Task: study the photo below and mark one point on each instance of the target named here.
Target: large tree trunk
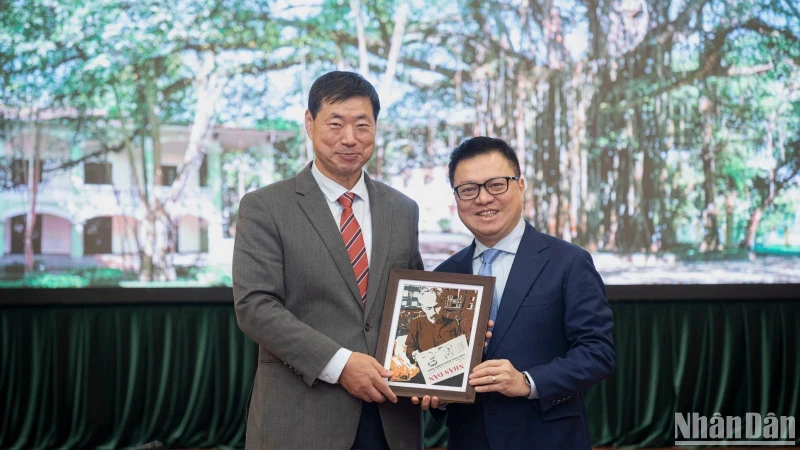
(597, 215)
(752, 227)
(709, 214)
(565, 164)
(622, 231)
(538, 182)
(155, 243)
(767, 197)
(730, 220)
(552, 154)
(33, 190)
(608, 185)
(363, 62)
(161, 229)
(400, 20)
(670, 186)
(208, 85)
(648, 179)
(578, 99)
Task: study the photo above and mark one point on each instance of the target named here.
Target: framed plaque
(433, 330)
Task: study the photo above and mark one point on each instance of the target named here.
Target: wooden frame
(433, 330)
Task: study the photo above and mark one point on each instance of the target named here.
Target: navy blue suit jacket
(554, 322)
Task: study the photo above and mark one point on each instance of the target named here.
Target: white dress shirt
(501, 267)
(361, 209)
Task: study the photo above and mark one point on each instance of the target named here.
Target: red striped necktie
(354, 242)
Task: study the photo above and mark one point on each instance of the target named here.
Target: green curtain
(729, 357)
(115, 376)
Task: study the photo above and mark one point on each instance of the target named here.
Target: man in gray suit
(310, 272)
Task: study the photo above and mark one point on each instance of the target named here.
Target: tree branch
(664, 32)
(711, 65)
(75, 162)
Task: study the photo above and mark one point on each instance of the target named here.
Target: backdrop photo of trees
(661, 135)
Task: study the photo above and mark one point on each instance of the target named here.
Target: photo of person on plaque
(434, 317)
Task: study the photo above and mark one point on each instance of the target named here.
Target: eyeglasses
(494, 186)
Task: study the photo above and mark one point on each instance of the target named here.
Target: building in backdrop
(89, 205)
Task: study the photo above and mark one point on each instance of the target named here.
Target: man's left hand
(498, 375)
(427, 402)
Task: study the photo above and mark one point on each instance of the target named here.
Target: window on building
(168, 174)
(203, 236)
(97, 236)
(188, 241)
(20, 171)
(97, 173)
(203, 175)
(18, 234)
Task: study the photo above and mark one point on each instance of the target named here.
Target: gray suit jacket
(296, 297)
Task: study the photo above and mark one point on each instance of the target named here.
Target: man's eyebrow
(359, 117)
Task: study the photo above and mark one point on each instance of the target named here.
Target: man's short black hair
(482, 145)
(334, 87)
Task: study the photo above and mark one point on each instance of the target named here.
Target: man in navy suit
(551, 336)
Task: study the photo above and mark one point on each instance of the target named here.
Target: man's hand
(498, 375)
(488, 334)
(427, 402)
(363, 376)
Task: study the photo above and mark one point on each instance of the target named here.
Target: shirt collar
(333, 190)
(508, 244)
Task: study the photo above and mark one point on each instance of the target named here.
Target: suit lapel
(381, 211)
(464, 265)
(315, 206)
(528, 263)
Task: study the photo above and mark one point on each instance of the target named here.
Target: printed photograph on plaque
(433, 330)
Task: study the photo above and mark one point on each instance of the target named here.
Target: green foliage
(278, 124)
(778, 250)
(206, 276)
(691, 254)
(14, 276)
(783, 214)
(716, 75)
(444, 224)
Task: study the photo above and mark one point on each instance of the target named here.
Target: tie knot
(489, 255)
(346, 200)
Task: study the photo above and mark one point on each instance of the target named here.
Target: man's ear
(309, 123)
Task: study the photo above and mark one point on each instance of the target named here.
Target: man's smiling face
(489, 217)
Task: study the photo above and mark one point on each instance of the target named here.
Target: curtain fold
(705, 357)
(122, 375)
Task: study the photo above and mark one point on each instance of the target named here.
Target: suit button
(554, 403)
(366, 327)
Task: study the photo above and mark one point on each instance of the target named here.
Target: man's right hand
(363, 376)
